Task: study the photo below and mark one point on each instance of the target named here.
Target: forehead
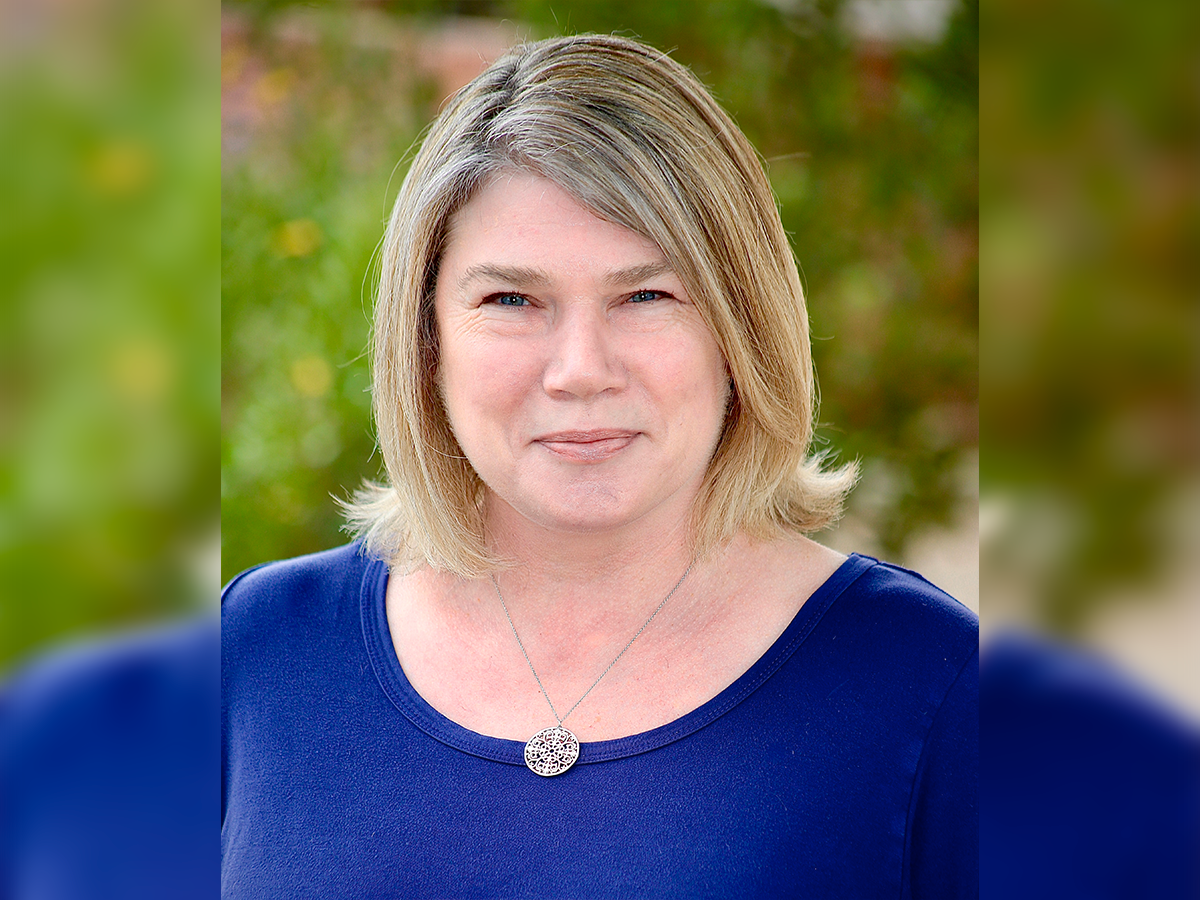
(520, 219)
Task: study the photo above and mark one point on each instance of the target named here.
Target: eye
(507, 299)
(646, 296)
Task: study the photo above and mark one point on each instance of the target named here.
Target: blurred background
(1090, 358)
(109, 448)
(865, 112)
(109, 317)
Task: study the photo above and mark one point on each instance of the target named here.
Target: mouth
(587, 446)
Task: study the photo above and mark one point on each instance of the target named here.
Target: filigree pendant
(551, 751)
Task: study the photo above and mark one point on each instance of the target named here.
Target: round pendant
(551, 751)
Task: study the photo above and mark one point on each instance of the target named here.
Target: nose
(584, 357)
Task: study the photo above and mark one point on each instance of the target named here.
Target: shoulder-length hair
(636, 138)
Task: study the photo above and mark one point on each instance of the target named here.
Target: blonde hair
(636, 138)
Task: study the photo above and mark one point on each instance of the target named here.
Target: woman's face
(579, 379)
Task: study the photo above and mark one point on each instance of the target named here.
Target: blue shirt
(108, 769)
(841, 764)
(1090, 787)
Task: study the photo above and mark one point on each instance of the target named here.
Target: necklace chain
(524, 653)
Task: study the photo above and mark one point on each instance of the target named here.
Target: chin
(584, 514)
(577, 521)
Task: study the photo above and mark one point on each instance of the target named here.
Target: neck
(600, 571)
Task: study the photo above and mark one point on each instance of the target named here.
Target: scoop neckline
(414, 707)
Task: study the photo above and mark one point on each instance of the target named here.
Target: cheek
(705, 379)
(481, 383)
(454, 390)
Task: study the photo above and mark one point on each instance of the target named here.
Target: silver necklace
(555, 749)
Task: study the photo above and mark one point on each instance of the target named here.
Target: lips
(587, 446)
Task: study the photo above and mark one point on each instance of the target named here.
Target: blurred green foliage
(1091, 230)
(109, 178)
(871, 148)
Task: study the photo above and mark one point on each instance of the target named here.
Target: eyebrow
(526, 276)
(518, 276)
(637, 274)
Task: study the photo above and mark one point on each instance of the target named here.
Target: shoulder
(285, 614)
(118, 671)
(112, 744)
(305, 587)
(142, 703)
(904, 607)
(1031, 685)
(1072, 746)
(905, 644)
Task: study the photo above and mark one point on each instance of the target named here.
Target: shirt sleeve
(942, 858)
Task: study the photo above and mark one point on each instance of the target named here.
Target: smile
(587, 446)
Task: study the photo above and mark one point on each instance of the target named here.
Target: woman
(582, 647)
